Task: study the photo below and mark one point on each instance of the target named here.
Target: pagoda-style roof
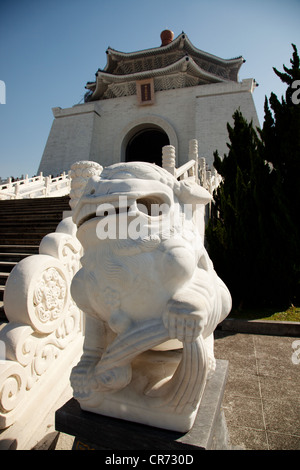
(178, 64)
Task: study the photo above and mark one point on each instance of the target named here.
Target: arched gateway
(146, 146)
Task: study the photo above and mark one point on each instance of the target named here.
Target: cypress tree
(253, 234)
(281, 145)
(234, 233)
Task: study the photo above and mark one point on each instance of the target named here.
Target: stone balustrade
(195, 167)
(37, 186)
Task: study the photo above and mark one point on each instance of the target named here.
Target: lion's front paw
(82, 379)
(183, 321)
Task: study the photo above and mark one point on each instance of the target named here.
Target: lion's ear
(189, 192)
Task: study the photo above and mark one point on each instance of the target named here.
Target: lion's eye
(144, 206)
(152, 206)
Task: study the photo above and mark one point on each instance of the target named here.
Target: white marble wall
(99, 131)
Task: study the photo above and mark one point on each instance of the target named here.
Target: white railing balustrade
(194, 168)
(37, 186)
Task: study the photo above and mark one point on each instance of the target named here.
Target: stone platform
(97, 432)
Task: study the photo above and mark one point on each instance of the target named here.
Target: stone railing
(37, 186)
(209, 179)
(194, 168)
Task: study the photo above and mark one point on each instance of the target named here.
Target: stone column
(193, 155)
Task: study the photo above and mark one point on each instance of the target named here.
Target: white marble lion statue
(146, 282)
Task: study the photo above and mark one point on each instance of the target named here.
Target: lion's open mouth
(94, 214)
(151, 205)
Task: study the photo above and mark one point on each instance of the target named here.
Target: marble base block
(99, 432)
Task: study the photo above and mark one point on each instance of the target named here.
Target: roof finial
(166, 37)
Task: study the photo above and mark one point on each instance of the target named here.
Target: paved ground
(262, 395)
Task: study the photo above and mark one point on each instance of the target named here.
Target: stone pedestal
(97, 432)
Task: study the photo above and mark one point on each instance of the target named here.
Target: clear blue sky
(49, 49)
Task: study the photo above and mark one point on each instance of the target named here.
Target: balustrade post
(203, 172)
(17, 188)
(193, 155)
(47, 184)
(169, 159)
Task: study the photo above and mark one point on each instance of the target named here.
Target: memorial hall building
(144, 100)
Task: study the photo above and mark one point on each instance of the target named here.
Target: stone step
(52, 212)
(36, 232)
(52, 207)
(27, 207)
(3, 317)
(17, 239)
(17, 249)
(37, 200)
(23, 235)
(30, 239)
(34, 203)
(13, 257)
(32, 209)
(23, 224)
(23, 220)
(7, 266)
(23, 227)
(3, 278)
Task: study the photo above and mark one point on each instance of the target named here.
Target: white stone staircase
(23, 224)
